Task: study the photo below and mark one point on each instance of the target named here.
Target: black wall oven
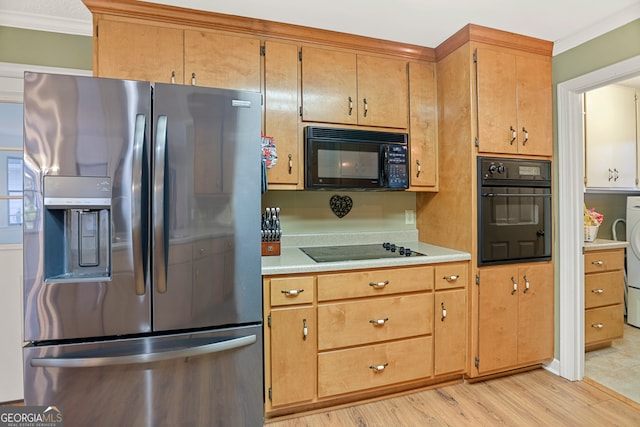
(514, 210)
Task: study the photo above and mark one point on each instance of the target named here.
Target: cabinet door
(535, 128)
(535, 313)
(496, 99)
(610, 137)
(382, 92)
(281, 111)
(329, 86)
(497, 318)
(132, 50)
(423, 126)
(221, 60)
(450, 331)
(293, 355)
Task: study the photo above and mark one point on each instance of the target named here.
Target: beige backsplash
(305, 212)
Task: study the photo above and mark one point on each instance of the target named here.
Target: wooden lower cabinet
(339, 337)
(366, 367)
(515, 314)
(603, 297)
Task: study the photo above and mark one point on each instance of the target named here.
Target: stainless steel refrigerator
(142, 283)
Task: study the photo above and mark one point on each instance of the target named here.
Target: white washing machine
(633, 260)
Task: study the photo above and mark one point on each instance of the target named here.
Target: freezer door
(205, 205)
(205, 379)
(84, 181)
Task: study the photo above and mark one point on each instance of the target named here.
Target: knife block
(270, 248)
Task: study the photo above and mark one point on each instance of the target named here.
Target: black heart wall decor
(340, 205)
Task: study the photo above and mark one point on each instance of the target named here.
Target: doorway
(570, 189)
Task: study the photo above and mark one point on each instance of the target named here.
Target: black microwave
(355, 159)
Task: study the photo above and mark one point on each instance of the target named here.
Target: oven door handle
(514, 195)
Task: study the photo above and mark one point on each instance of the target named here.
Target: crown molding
(610, 23)
(54, 24)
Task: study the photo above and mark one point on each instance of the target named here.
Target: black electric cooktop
(358, 252)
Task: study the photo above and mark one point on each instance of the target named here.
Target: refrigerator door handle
(136, 209)
(160, 258)
(90, 362)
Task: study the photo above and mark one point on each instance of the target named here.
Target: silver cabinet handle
(452, 278)
(173, 77)
(366, 106)
(515, 286)
(610, 174)
(526, 285)
(292, 292)
(526, 135)
(597, 262)
(379, 285)
(350, 105)
(514, 135)
(597, 291)
(597, 325)
(378, 368)
(305, 330)
(193, 79)
(379, 322)
(615, 174)
(290, 164)
(419, 168)
(444, 311)
(88, 362)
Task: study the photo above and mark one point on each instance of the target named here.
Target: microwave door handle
(160, 268)
(136, 205)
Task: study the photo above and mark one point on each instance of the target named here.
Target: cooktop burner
(358, 252)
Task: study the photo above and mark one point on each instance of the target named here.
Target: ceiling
(421, 22)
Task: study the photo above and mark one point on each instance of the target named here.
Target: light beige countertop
(292, 260)
(603, 244)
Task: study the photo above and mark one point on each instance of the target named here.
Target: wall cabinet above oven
(611, 138)
(514, 102)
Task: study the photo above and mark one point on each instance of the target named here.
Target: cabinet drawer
(453, 275)
(291, 290)
(603, 324)
(603, 261)
(361, 368)
(602, 289)
(374, 282)
(379, 319)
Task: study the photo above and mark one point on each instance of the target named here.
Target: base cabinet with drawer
(344, 336)
(603, 297)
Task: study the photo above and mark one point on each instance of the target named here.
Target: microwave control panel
(396, 166)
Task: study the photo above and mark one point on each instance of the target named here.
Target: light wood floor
(534, 398)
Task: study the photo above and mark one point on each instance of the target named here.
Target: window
(11, 173)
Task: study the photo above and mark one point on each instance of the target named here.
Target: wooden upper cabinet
(221, 60)
(132, 50)
(514, 102)
(281, 67)
(382, 92)
(423, 126)
(347, 88)
(329, 86)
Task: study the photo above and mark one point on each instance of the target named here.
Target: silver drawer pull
(379, 322)
(515, 286)
(600, 262)
(451, 278)
(597, 325)
(378, 368)
(292, 292)
(444, 311)
(305, 330)
(379, 285)
(597, 291)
